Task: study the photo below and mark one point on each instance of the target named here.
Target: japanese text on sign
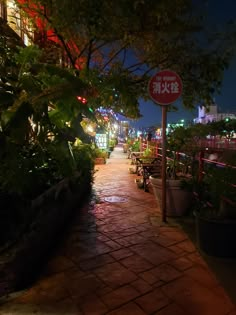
(165, 87)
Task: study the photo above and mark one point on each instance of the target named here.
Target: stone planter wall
(23, 260)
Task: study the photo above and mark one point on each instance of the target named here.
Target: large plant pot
(178, 200)
(216, 237)
(99, 161)
(125, 148)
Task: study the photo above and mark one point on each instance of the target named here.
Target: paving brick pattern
(120, 259)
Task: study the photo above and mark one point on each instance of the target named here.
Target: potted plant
(147, 153)
(100, 156)
(126, 145)
(134, 150)
(111, 144)
(135, 147)
(179, 173)
(215, 212)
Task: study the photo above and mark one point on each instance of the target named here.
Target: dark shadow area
(224, 269)
(23, 263)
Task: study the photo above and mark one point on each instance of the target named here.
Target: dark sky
(226, 101)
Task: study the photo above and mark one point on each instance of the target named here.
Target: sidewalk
(119, 259)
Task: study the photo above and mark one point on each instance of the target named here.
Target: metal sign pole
(164, 88)
(163, 169)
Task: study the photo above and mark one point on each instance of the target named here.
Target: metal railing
(213, 143)
(201, 162)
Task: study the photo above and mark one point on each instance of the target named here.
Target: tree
(37, 109)
(40, 117)
(118, 45)
(222, 128)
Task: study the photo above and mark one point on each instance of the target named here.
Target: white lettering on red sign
(165, 87)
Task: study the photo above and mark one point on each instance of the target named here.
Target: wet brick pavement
(119, 259)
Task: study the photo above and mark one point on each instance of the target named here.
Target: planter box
(216, 238)
(125, 148)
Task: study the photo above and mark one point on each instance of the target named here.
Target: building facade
(14, 18)
(210, 114)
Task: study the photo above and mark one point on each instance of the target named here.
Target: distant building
(210, 113)
(124, 128)
(14, 18)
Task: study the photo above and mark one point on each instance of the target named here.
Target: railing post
(201, 165)
(177, 156)
(140, 144)
(156, 148)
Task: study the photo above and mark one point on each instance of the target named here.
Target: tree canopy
(118, 45)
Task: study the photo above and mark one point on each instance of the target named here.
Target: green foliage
(112, 143)
(99, 153)
(224, 127)
(185, 139)
(135, 146)
(181, 140)
(38, 93)
(39, 122)
(147, 152)
(84, 155)
(30, 170)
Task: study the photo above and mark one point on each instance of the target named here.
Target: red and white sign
(165, 87)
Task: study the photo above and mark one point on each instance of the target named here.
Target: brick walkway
(118, 259)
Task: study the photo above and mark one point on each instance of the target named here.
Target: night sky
(226, 100)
